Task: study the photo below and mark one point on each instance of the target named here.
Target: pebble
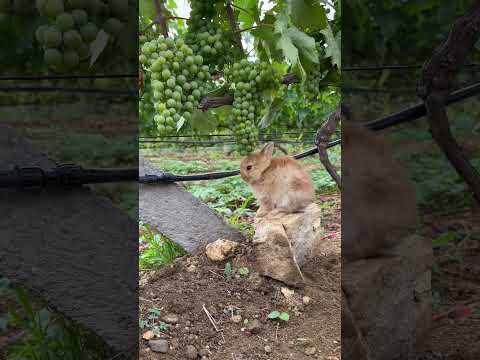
(148, 335)
(287, 292)
(310, 350)
(254, 326)
(306, 300)
(191, 352)
(170, 319)
(268, 349)
(160, 346)
(237, 318)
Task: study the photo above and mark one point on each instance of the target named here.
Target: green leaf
(142, 323)
(98, 45)
(250, 14)
(272, 113)
(42, 318)
(443, 240)
(202, 122)
(25, 303)
(228, 269)
(299, 71)
(308, 14)
(333, 46)
(243, 271)
(180, 123)
(304, 43)
(288, 48)
(273, 315)
(284, 316)
(147, 9)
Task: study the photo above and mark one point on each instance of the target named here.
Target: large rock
(72, 248)
(390, 301)
(180, 216)
(285, 243)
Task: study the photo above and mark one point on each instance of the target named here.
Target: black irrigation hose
(69, 90)
(391, 67)
(73, 175)
(67, 77)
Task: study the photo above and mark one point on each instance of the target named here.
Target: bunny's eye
(249, 167)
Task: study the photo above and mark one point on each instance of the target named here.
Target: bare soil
(182, 289)
(457, 282)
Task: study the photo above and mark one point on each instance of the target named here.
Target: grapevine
(207, 36)
(178, 81)
(247, 79)
(178, 94)
(68, 28)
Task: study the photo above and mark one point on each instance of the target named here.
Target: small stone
(160, 346)
(220, 249)
(237, 318)
(268, 349)
(148, 335)
(254, 326)
(306, 300)
(191, 268)
(203, 353)
(191, 352)
(170, 319)
(287, 292)
(310, 350)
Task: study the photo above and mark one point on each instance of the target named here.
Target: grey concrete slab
(72, 248)
(179, 215)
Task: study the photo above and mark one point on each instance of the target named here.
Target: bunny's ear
(268, 150)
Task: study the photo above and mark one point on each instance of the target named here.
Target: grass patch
(158, 251)
(46, 335)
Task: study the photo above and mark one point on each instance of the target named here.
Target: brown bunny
(280, 184)
(378, 198)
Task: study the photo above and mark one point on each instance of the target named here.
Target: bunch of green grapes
(10, 8)
(73, 25)
(178, 81)
(248, 80)
(312, 83)
(207, 37)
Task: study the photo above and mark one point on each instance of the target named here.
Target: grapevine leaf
(332, 78)
(147, 9)
(299, 71)
(288, 48)
(304, 43)
(269, 39)
(273, 315)
(284, 316)
(202, 122)
(272, 113)
(98, 45)
(250, 14)
(281, 23)
(223, 110)
(308, 14)
(333, 45)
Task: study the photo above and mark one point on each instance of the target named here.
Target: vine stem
(254, 27)
(234, 25)
(217, 101)
(245, 10)
(161, 19)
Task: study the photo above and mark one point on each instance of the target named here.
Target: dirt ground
(456, 334)
(181, 290)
